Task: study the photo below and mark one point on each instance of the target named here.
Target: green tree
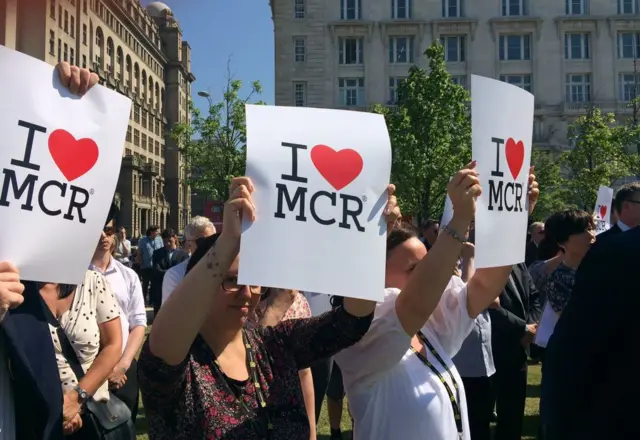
(554, 195)
(430, 131)
(599, 156)
(213, 144)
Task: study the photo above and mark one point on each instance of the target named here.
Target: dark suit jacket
(36, 381)
(162, 263)
(589, 387)
(508, 322)
(612, 231)
(531, 253)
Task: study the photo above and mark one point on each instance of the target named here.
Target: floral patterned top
(558, 287)
(188, 402)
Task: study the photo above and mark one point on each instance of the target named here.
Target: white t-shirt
(172, 278)
(392, 394)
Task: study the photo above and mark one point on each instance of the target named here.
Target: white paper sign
(447, 213)
(502, 129)
(602, 210)
(60, 157)
(547, 325)
(321, 178)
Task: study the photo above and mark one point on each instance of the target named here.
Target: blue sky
(219, 29)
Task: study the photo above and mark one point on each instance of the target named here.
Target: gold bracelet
(453, 234)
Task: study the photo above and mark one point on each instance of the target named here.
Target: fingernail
(475, 162)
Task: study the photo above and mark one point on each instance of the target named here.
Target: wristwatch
(83, 396)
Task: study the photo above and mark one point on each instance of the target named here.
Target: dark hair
(168, 233)
(559, 227)
(64, 290)
(152, 229)
(625, 193)
(430, 223)
(400, 233)
(204, 244)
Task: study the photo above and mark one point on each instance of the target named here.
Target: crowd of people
(442, 357)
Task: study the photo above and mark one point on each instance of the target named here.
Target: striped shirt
(7, 416)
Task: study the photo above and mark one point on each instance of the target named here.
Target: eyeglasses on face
(230, 284)
(108, 230)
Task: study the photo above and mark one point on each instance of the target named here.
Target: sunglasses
(108, 230)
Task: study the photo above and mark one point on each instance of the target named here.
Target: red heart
(514, 152)
(339, 168)
(603, 211)
(74, 158)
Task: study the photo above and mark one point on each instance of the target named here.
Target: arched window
(110, 56)
(99, 48)
(120, 63)
(129, 71)
(143, 92)
(157, 95)
(150, 91)
(136, 78)
(161, 100)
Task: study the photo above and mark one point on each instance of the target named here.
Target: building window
(460, 80)
(577, 7)
(66, 52)
(144, 118)
(84, 6)
(129, 135)
(522, 81)
(66, 21)
(144, 142)
(576, 46)
(351, 50)
(455, 48)
(351, 92)
(157, 148)
(136, 113)
(52, 9)
(515, 8)
(515, 47)
(136, 138)
(300, 49)
(401, 50)
(299, 10)
(84, 34)
(400, 9)
(72, 56)
(59, 50)
(73, 26)
(350, 9)
(452, 8)
(628, 45)
(60, 24)
(629, 83)
(127, 151)
(627, 6)
(578, 87)
(394, 94)
(84, 61)
(52, 43)
(300, 94)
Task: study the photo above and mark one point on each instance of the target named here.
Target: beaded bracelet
(453, 234)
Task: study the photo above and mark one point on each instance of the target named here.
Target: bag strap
(67, 349)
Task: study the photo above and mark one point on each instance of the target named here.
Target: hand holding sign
(533, 192)
(463, 190)
(10, 288)
(392, 211)
(240, 205)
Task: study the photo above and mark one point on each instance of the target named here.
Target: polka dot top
(94, 303)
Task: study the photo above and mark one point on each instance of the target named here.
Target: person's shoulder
(126, 271)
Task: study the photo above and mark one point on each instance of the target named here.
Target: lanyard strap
(457, 414)
(253, 377)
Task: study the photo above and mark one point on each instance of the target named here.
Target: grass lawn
(530, 417)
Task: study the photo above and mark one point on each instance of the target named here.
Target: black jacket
(589, 383)
(518, 308)
(36, 381)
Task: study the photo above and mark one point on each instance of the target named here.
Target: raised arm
(185, 311)
(425, 287)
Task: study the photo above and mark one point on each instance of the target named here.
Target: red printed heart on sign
(74, 157)
(514, 151)
(603, 211)
(339, 168)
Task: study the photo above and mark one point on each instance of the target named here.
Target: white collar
(622, 226)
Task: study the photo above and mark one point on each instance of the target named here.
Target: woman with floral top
(203, 375)
(572, 232)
